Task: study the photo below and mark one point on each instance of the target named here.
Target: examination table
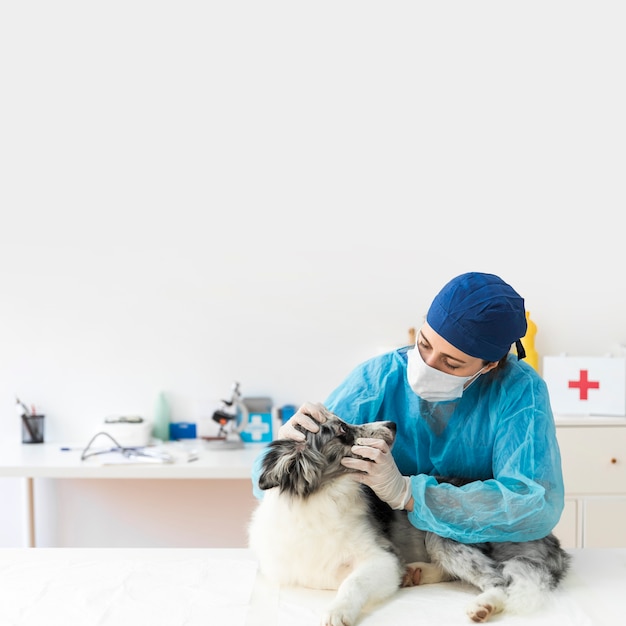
(194, 587)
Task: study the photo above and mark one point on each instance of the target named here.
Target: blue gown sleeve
(361, 396)
(524, 499)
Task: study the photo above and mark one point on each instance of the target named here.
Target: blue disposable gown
(500, 435)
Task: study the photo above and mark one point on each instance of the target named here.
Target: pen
(23, 410)
(23, 413)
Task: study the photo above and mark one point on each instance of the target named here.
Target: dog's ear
(292, 466)
(270, 466)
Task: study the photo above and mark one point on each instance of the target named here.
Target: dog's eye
(341, 431)
(345, 436)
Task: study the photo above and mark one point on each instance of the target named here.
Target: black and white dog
(316, 527)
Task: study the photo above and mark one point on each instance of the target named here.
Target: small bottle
(528, 341)
(161, 424)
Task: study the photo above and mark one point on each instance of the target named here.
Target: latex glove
(379, 471)
(309, 415)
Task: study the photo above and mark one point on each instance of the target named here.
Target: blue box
(259, 428)
(182, 430)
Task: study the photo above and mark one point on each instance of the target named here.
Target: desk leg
(30, 512)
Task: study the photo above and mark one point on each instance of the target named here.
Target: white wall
(271, 192)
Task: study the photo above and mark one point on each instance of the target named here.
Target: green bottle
(161, 424)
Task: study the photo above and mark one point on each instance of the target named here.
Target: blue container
(286, 412)
(182, 430)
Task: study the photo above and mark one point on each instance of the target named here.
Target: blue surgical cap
(480, 315)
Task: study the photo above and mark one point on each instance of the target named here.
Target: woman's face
(443, 356)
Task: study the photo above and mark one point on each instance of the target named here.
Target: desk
(176, 587)
(47, 460)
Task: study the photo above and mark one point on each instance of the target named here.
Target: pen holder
(32, 428)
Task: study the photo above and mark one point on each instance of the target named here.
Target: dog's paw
(337, 618)
(419, 573)
(412, 576)
(485, 605)
(480, 612)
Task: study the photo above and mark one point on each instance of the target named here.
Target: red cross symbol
(583, 384)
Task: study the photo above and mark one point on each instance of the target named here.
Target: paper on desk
(126, 592)
(116, 458)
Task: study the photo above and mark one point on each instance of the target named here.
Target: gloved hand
(308, 416)
(380, 472)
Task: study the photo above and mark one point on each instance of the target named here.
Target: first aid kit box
(258, 429)
(586, 385)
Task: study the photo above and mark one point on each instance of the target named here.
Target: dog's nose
(391, 426)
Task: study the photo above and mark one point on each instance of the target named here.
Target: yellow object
(528, 341)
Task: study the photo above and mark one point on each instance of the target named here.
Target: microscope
(232, 415)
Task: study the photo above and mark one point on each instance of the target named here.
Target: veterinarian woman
(465, 407)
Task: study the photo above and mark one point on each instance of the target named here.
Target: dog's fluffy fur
(317, 527)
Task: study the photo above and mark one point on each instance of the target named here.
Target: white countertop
(589, 420)
(47, 460)
(193, 587)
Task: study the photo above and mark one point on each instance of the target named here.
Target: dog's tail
(292, 466)
(530, 581)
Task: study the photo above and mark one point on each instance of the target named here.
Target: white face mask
(431, 384)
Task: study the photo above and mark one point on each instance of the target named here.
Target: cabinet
(593, 452)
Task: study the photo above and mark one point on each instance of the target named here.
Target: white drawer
(567, 530)
(594, 459)
(605, 521)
